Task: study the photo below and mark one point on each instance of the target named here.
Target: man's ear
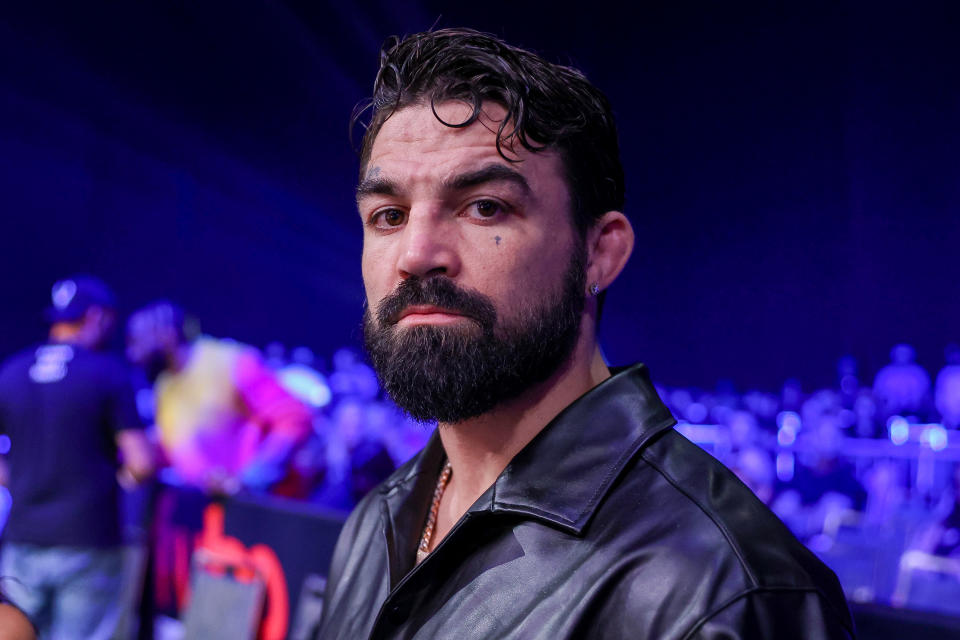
(609, 245)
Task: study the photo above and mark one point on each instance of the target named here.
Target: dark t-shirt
(62, 405)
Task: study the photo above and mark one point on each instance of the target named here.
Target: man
(69, 410)
(223, 419)
(554, 500)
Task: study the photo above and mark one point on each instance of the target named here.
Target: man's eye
(484, 209)
(389, 218)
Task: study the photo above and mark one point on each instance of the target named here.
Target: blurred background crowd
(791, 172)
(865, 472)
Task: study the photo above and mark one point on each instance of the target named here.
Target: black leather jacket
(609, 524)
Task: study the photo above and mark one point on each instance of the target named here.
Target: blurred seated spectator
(865, 416)
(224, 421)
(947, 393)
(847, 381)
(942, 537)
(754, 467)
(902, 387)
(744, 431)
(306, 470)
(824, 483)
(370, 464)
(791, 395)
(402, 435)
(764, 407)
(886, 493)
(355, 455)
(353, 377)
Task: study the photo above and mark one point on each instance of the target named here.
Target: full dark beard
(453, 373)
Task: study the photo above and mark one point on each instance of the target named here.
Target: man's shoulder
(685, 522)
(705, 514)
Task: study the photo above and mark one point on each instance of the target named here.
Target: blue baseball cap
(70, 298)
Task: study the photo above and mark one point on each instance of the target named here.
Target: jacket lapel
(405, 505)
(566, 470)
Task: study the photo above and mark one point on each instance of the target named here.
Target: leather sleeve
(777, 615)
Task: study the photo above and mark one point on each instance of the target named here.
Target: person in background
(947, 389)
(942, 537)
(223, 420)
(903, 386)
(352, 377)
(69, 410)
(743, 430)
(754, 467)
(847, 382)
(886, 494)
(865, 415)
(356, 458)
(825, 483)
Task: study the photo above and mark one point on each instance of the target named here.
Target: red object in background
(175, 545)
(276, 618)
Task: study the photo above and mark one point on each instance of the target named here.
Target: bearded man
(554, 500)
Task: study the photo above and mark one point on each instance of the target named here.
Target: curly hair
(547, 106)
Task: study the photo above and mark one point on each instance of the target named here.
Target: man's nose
(429, 246)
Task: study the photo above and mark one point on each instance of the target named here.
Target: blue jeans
(68, 592)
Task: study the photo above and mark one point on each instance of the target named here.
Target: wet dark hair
(548, 106)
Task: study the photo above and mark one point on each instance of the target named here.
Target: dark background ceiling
(793, 169)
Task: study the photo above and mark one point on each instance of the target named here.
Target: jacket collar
(567, 469)
(559, 477)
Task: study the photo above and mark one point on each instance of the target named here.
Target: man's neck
(480, 449)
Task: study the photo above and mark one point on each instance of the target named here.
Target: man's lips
(428, 314)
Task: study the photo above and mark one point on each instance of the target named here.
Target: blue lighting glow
(788, 424)
(785, 466)
(935, 436)
(899, 429)
(306, 384)
(786, 436)
(788, 419)
(4, 445)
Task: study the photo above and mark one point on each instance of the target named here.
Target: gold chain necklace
(427, 536)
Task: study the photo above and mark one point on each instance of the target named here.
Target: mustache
(436, 291)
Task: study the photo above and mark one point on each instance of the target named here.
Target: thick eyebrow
(489, 173)
(375, 185)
